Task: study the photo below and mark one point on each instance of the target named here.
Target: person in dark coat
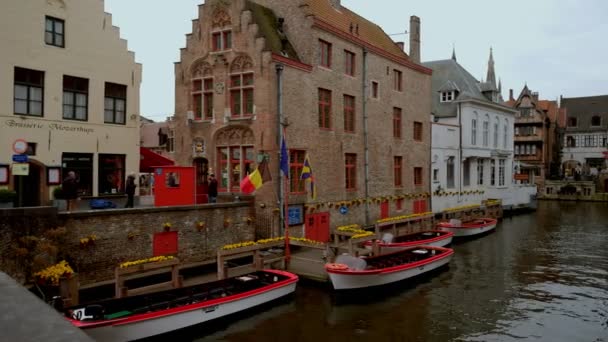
(69, 187)
(212, 189)
(130, 190)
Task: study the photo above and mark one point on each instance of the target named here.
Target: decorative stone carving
(220, 18)
(201, 69)
(58, 3)
(241, 63)
(234, 136)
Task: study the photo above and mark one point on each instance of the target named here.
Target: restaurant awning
(149, 159)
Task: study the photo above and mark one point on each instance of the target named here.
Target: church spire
(491, 77)
(499, 85)
(454, 52)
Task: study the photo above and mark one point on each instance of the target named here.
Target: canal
(541, 276)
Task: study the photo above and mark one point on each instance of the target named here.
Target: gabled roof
(449, 86)
(344, 18)
(586, 106)
(276, 40)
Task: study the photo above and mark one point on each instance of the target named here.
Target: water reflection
(541, 276)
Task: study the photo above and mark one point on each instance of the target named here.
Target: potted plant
(58, 199)
(7, 198)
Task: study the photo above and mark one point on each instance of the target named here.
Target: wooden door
(384, 210)
(317, 227)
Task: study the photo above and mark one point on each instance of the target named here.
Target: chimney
(511, 95)
(335, 4)
(401, 45)
(415, 39)
(535, 96)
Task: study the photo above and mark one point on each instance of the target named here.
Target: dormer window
(596, 121)
(447, 96)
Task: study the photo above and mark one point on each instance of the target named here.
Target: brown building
(538, 137)
(352, 100)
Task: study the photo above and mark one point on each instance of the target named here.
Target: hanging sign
(20, 169)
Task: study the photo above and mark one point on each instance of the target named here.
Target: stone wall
(127, 234)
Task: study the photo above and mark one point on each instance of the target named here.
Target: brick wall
(126, 235)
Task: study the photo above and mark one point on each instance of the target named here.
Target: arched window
(596, 120)
(221, 32)
(474, 129)
(202, 90)
(486, 130)
(241, 87)
(506, 135)
(496, 125)
(235, 157)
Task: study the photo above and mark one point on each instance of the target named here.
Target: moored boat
(355, 273)
(470, 228)
(142, 316)
(437, 238)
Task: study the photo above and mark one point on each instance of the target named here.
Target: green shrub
(7, 196)
(58, 193)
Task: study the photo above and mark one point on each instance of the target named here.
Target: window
(221, 40)
(450, 173)
(486, 133)
(349, 113)
(474, 132)
(447, 96)
(501, 172)
(397, 122)
(397, 171)
(75, 98)
(296, 163)
(202, 98)
(31, 148)
(29, 92)
(241, 95)
(54, 32)
(596, 120)
(171, 141)
(82, 165)
(516, 130)
(418, 176)
(399, 204)
(324, 108)
(115, 103)
(234, 163)
(570, 141)
(397, 80)
(492, 172)
(505, 136)
(496, 135)
(374, 89)
(466, 173)
(418, 131)
(479, 172)
(572, 122)
(172, 180)
(350, 166)
(435, 175)
(111, 173)
(533, 152)
(325, 56)
(349, 63)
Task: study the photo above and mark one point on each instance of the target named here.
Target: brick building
(352, 100)
(538, 128)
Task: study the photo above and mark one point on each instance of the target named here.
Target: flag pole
(283, 203)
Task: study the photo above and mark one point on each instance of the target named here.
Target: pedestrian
(130, 190)
(69, 188)
(212, 189)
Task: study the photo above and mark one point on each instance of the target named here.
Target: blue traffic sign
(20, 158)
(343, 210)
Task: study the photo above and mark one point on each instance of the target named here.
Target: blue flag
(284, 158)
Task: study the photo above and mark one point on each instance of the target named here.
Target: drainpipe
(460, 164)
(365, 135)
(279, 70)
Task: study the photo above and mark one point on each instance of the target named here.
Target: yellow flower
(52, 274)
(145, 261)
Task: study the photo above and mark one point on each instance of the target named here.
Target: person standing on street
(130, 190)
(212, 189)
(69, 188)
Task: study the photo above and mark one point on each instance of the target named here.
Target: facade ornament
(234, 136)
(241, 63)
(220, 18)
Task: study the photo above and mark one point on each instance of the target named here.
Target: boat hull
(365, 279)
(179, 318)
(464, 230)
(438, 241)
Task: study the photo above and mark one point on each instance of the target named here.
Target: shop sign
(30, 124)
(20, 169)
(521, 176)
(20, 158)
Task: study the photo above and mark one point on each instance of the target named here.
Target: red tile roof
(344, 18)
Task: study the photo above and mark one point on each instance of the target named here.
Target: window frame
(600, 121)
(397, 122)
(418, 128)
(242, 91)
(397, 80)
(114, 102)
(501, 172)
(446, 96)
(375, 90)
(74, 92)
(221, 40)
(28, 74)
(296, 164)
(486, 133)
(349, 113)
(53, 32)
(480, 171)
(350, 171)
(349, 63)
(418, 178)
(571, 120)
(474, 131)
(324, 109)
(325, 53)
(398, 171)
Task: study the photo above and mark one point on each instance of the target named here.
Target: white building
(69, 98)
(472, 140)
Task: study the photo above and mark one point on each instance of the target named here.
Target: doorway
(317, 227)
(201, 166)
(28, 187)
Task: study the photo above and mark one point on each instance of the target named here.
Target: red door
(201, 165)
(419, 206)
(317, 227)
(384, 210)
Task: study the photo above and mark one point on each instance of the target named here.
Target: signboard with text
(295, 214)
(521, 176)
(20, 169)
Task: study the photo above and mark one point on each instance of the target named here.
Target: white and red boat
(470, 228)
(437, 238)
(356, 273)
(142, 316)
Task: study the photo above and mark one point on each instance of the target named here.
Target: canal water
(541, 276)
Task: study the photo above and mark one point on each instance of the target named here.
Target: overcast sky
(559, 47)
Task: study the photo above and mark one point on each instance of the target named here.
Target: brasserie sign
(51, 126)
